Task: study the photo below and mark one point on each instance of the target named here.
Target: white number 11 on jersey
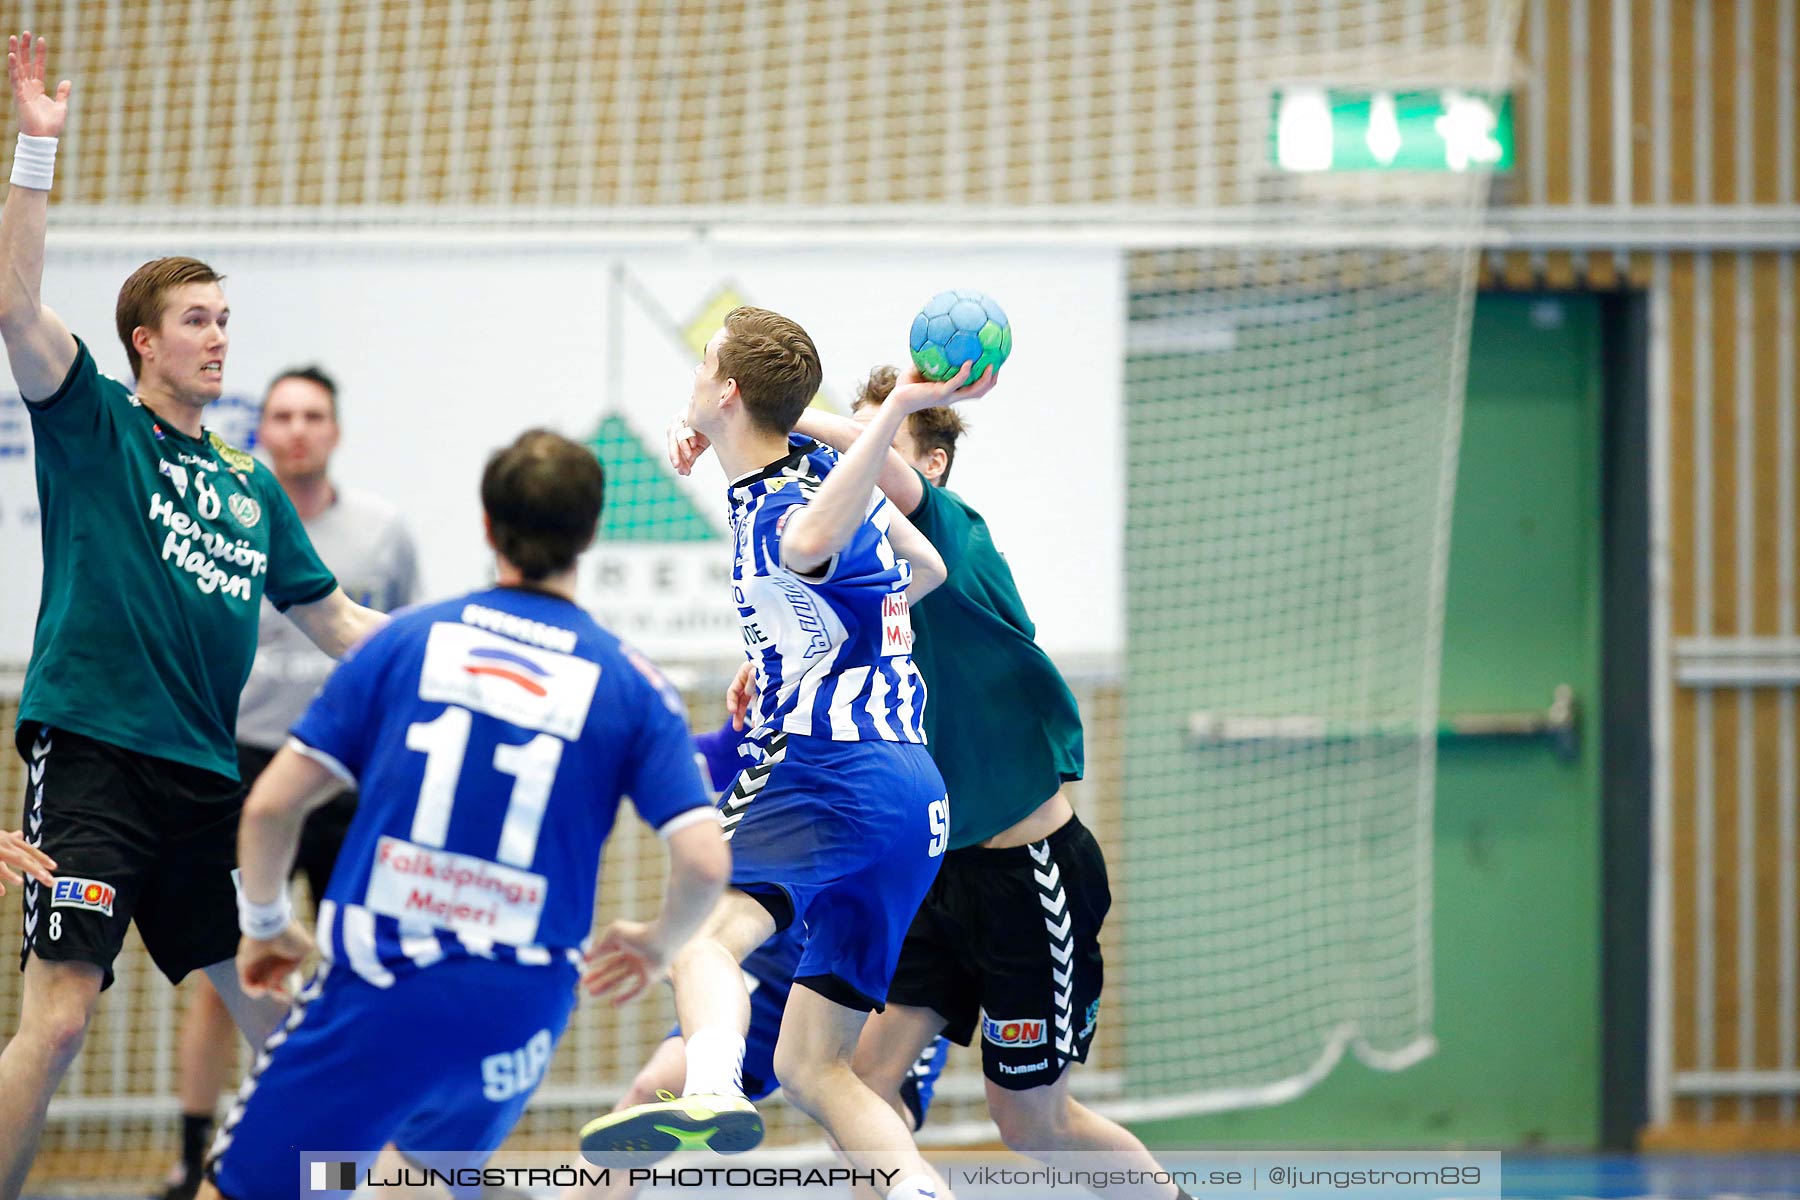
(533, 765)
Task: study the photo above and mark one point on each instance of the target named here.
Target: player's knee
(699, 950)
(880, 1074)
(681, 967)
(805, 1081)
(1036, 1119)
(57, 1012)
(59, 1032)
(794, 1071)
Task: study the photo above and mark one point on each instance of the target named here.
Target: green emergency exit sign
(1359, 129)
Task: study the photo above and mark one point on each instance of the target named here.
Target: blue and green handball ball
(956, 328)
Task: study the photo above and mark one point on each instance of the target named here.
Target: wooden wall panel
(1560, 84)
(1700, 110)
(1730, 531)
(1642, 51)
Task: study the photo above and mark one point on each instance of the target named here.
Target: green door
(1516, 916)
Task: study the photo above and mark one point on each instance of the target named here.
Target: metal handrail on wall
(1560, 724)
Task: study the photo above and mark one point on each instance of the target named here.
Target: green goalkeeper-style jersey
(1002, 725)
(158, 549)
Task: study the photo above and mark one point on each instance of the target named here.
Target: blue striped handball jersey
(491, 737)
(832, 650)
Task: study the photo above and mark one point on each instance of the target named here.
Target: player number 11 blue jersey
(491, 737)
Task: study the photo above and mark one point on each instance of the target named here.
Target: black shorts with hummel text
(1008, 941)
(134, 837)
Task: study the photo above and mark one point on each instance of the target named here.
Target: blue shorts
(844, 837)
(440, 1064)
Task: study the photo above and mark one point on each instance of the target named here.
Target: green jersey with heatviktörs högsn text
(158, 549)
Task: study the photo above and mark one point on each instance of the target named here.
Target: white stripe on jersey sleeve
(323, 759)
(359, 946)
(680, 821)
(532, 956)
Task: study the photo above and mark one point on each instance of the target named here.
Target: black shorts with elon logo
(1009, 941)
(134, 837)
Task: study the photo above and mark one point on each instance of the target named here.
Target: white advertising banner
(444, 354)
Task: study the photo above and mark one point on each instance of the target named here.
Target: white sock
(915, 1187)
(715, 1063)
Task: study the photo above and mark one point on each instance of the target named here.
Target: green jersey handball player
(160, 542)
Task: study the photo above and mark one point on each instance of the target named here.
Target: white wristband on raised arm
(34, 162)
(264, 921)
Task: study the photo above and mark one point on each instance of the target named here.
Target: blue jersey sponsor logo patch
(504, 664)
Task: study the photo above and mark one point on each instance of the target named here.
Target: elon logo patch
(90, 894)
(1013, 1033)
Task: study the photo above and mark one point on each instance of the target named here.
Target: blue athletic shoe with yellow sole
(647, 1133)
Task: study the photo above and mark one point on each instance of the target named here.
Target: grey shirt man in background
(363, 541)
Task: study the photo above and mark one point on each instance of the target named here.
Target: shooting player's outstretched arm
(825, 525)
(899, 482)
(38, 345)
